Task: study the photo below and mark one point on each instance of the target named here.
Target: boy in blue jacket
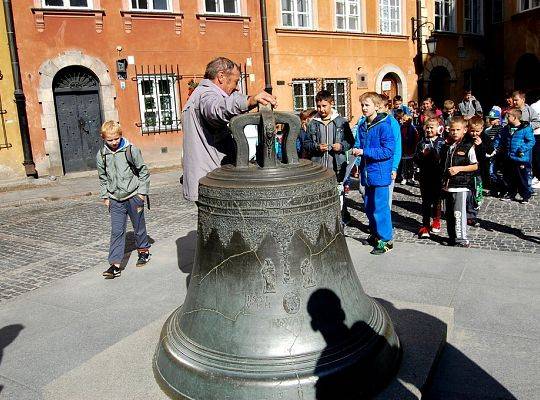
(375, 144)
(518, 141)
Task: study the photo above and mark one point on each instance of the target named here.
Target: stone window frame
(47, 72)
(175, 14)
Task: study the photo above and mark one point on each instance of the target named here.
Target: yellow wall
(325, 53)
(10, 158)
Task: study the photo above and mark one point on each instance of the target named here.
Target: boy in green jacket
(124, 184)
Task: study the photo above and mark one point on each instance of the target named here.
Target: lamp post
(431, 43)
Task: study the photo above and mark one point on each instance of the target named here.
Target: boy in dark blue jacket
(518, 141)
(375, 144)
(428, 158)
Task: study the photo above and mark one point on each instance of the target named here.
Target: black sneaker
(112, 272)
(144, 257)
(382, 247)
(372, 240)
(525, 201)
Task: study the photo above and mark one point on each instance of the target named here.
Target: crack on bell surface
(241, 312)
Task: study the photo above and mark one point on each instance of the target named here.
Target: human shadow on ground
(7, 335)
(347, 367)
(185, 253)
(454, 375)
(494, 226)
(131, 246)
(403, 190)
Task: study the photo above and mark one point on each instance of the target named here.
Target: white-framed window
(390, 16)
(528, 4)
(222, 6)
(304, 92)
(340, 89)
(158, 102)
(348, 15)
(472, 16)
(68, 3)
(296, 13)
(445, 13)
(151, 5)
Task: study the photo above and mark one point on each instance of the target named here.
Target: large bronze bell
(274, 309)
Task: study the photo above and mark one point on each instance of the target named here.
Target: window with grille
(158, 102)
(304, 91)
(68, 3)
(296, 13)
(222, 6)
(444, 15)
(390, 16)
(348, 15)
(529, 4)
(151, 5)
(340, 89)
(473, 16)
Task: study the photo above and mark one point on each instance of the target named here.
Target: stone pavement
(59, 312)
(40, 226)
(503, 226)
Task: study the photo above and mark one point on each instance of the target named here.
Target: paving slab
(422, 330)
(483, 365)
(11, 390)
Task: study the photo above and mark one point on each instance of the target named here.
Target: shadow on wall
(7, 335)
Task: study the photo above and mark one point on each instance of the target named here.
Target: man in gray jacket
(469, 106)
(208, 143)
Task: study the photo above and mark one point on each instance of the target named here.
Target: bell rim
(182, 347)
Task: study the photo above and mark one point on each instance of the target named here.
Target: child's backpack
(129, 159)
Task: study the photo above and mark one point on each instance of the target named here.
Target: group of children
(451, 156)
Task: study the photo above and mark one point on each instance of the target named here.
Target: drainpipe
(20, 99)
(419, 50)
(266, 53)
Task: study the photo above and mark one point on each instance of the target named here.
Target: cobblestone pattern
(505, 226)
(46, 241)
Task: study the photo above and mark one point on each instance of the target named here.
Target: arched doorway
(78, 113)
(439, 85)
(527, 75)
(390, 85)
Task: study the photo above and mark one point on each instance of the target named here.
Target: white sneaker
(535, 184)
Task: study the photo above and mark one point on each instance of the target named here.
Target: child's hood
(124, 143)
(333, 116)
(380, 118)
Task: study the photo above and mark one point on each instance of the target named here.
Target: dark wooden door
(78, 113)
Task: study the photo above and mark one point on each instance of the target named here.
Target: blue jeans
(119, 210)
(378, 211)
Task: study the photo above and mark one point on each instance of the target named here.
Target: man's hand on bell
(263, 98)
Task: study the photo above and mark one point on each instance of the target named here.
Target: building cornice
(41, 13)
(357, 35)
